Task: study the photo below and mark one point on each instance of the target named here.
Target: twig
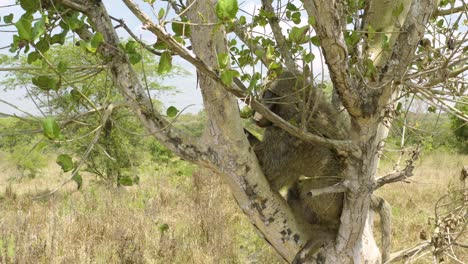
(399, 175)
(105, 116)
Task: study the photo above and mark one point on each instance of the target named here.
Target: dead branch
(409, 253)
(399, 175)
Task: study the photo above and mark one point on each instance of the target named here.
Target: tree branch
(340, 187)
(160, 32)
(329, 30)
(280, 39)
(408, 253)
(446, 12)
(131, 88)
(247, 37)
(399, 175)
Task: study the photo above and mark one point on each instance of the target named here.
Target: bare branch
(446, 12)
(408, 253)
(340, 187)
(75, 5)
(399, 175)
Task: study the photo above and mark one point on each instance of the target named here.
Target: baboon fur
(297, 167)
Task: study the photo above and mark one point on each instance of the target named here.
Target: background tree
(85, 88)
(375, 53)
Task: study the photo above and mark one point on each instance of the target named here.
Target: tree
(375, 52)
(460, 127)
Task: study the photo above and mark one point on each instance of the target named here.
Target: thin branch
(446, 12)
(280, 39)
(9, 69)
(340, 187)
(105, 116)
(247, 38)
(399, 175)
(137, 39)
(239, 89)
(75, 5)
(408, 253)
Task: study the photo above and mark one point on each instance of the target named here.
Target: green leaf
(291, 7)
(24, 28)
(65, 162)
(42, 46)
(172, 111)
(59, 38)
(33, 56)
(79, 180)
(274, 66)
(432, 109)
(134, 58)
(131, 46)
(298, 34)
(312, 20)
(226, 9)
(125, 181)
(242, 20)
(165, 63)
(440, 23)
(8, 19)
(161, 13)
(94, 43)
(296, 18)
(309, 57)
(228, 75)
(50, 128)
(315, 40)
(30, 6)
(39, 28)
(163, 227)
(397, 10)
(46, 83)
(223, 60)
(150, 1)
(62, 66)
(160, 45)
(181, 29)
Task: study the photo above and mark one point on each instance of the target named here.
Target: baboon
(297, 167)
(294, 167)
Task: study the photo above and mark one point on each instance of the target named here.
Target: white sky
(186, 85)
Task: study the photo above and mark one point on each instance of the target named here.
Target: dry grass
(173, 218)
(167, 219)
(436, 174)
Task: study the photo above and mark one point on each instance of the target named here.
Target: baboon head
(283, 97)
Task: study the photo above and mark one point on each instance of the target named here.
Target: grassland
(177, 214)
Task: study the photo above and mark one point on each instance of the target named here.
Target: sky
(188, 93)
